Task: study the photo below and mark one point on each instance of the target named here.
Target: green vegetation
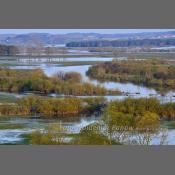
(11, 126)
(132, 117)
(152, 73)
(136, 107)
(132, 121)
(52, 107)
(52, 135)
(129, 121)
(92, 135)
(56, 134)
(35, 81)
(55, 107)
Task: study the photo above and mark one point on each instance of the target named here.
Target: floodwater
(72, 125)
(24, 126)
(132, 90)
(16, 135)
(72, 59)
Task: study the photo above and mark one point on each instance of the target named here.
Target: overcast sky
(63, 31)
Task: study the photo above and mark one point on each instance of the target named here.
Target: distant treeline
(6, 50)
(123, 43)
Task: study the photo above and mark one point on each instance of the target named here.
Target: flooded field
(13, 130)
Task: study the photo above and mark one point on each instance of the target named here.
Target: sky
(64, 31)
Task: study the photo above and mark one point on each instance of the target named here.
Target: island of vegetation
(58, 107)
(48, 107)
(132, 121)
(36, 81)
(159, 74)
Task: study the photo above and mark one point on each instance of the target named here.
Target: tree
(92, 135)
(146, 127)
(74, 77)
(117, 123)
(54, 134)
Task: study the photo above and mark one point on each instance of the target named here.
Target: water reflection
(132, 90)
(72, 125)
(61, 59)
(15, 136)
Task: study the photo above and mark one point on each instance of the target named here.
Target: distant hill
(55, 39)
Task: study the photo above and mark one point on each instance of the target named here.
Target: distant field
(163, 55)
